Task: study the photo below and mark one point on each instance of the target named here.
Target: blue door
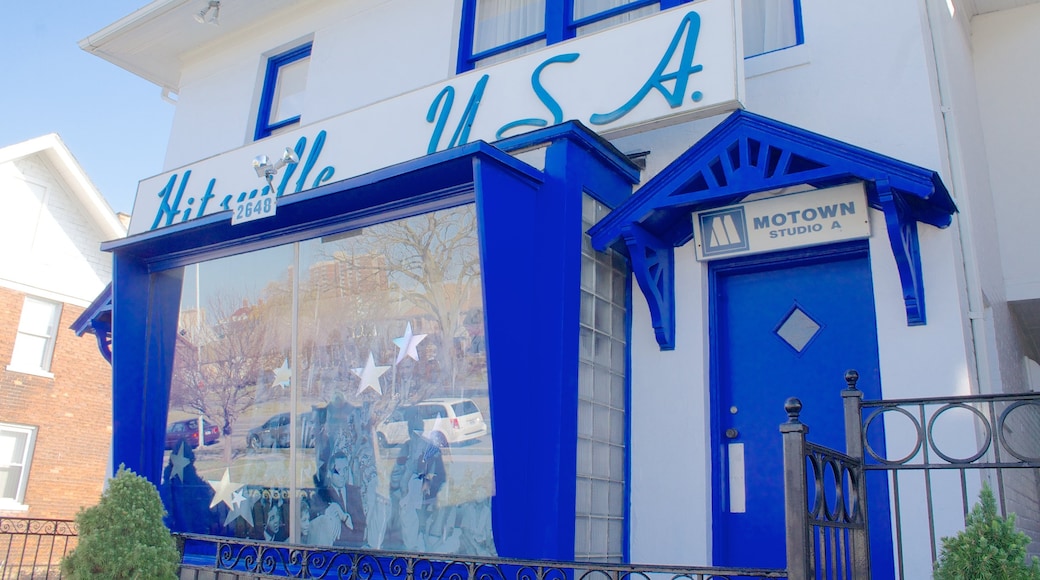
(784, 325)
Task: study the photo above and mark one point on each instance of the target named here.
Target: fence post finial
(851, 378)
(793, 406)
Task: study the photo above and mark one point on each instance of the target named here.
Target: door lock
(731, 433)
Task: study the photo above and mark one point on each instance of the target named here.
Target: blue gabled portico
(747, 154)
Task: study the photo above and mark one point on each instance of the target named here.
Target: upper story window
(497, 30)
(771, 25)
(37, 331)
(285, 84)
(16, 446)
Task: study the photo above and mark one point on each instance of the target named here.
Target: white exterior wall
(1006, 45)
(867, 75)
(359, 60)
(51, 246)
(883, 100)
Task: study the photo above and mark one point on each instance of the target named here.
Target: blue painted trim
(372, 194)
(576, 23)
(747, 153)
(463, 60)
(102, 303)
(750, 264)
(799, 26)
(585, 138)
(902, 236)
(560, 25)
(531, 321)
(103, 334)
(653, 263)
(264, 125)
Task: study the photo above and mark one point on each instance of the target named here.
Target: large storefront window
(338, 387)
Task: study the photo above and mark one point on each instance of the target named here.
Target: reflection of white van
(445, 422)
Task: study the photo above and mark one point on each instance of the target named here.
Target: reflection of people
(414, 484)
(269, 523)
(339, 517)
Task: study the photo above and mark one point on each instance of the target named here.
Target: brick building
(55, 401)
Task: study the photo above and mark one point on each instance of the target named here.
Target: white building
(52, 384)
(632, 417)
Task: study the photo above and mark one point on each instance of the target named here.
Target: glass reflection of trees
(385, 318)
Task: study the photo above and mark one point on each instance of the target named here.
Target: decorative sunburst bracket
(747, 154)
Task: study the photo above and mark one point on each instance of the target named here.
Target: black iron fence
(824, 496)
(938, 453)
(33, 548)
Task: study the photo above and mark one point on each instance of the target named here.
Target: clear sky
(116, 124)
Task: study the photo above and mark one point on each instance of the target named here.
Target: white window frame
(27, 332)
(17, 503)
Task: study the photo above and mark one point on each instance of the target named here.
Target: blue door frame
(781, 325)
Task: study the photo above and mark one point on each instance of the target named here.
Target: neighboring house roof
(96, 209)
(79, 185)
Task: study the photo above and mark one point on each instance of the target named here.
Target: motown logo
(723, 231)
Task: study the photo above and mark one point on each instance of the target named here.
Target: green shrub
(123, 536)
(988, 548)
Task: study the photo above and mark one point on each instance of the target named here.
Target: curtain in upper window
(498, 30)
(499, 22)
(769, 25)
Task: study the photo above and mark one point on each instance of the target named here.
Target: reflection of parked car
(188, 431)
(275, 432)
(445, 422)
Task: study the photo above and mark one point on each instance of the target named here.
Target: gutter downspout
(954, 158)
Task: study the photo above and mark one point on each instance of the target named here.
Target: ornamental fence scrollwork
(247, 559)
(33, 547)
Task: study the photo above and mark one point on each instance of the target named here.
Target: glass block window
(602, 425)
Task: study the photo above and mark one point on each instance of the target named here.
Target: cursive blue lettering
(165, 208)
(312, 158)
(441, 113)
(543, 95)
(690, 28)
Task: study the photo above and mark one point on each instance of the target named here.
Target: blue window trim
(560, 25)
(264, 127)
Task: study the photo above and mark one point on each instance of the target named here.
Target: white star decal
(224, 489)
(178, 462)
(241, 507)
(370, 376)
(407, 344)
(282, 375)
